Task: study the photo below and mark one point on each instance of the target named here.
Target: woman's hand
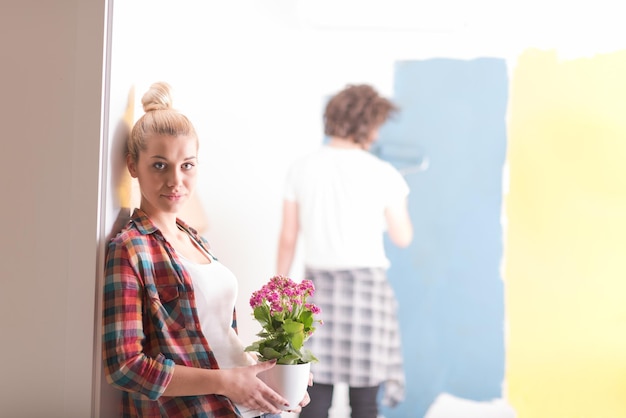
(242, 386)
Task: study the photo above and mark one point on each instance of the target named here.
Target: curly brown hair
(355, 112)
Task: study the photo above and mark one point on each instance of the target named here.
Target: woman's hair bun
(158, 97)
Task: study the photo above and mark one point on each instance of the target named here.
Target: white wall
(50, 84)
(252, 76)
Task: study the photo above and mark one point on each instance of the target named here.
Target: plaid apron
(359, 342)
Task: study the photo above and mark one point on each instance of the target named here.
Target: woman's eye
(188, 166)
(159, 166)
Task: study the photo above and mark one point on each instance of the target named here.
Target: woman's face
(166, 171)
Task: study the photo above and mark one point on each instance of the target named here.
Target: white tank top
(215, 288)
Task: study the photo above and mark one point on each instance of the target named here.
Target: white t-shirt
(215, 288)
(342, 195)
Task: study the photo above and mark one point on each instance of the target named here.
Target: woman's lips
(173, 197)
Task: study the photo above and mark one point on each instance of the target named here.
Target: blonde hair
(160, 119)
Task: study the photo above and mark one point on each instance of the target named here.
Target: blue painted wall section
(448, 281)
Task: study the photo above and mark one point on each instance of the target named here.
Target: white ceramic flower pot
(289, 380)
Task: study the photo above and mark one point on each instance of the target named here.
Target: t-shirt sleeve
(396, 188)
(289, 189)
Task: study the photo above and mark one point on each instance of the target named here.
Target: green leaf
(297, 340)
(308, 357)
(288, 359)
(270, 353)
(253, 347)
(262, 314)
(292, 327)
(279, 317)
(307, 319)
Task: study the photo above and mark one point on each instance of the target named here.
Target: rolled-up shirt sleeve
(127, 367)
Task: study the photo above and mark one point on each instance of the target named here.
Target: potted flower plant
(287, 320)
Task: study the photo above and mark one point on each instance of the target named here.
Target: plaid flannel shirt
(150, 324)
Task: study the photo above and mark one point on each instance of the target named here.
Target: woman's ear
(132, 166)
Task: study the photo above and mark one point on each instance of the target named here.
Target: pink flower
(288, 320)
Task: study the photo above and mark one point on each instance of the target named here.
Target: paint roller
(407, 159)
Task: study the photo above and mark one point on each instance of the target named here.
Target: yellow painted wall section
(565, 246)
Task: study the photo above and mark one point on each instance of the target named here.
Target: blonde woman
(170, 340)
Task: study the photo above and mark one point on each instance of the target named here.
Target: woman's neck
(165, 222)
(344, 143)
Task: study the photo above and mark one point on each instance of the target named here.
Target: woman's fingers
(247, 389)
(304, 402)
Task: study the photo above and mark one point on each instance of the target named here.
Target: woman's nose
(175, 178)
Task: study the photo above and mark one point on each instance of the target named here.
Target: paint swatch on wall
(566, 245)
(448, 281)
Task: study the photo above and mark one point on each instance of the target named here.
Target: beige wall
(50, 88)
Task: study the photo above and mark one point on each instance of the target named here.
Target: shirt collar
(145, 226)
